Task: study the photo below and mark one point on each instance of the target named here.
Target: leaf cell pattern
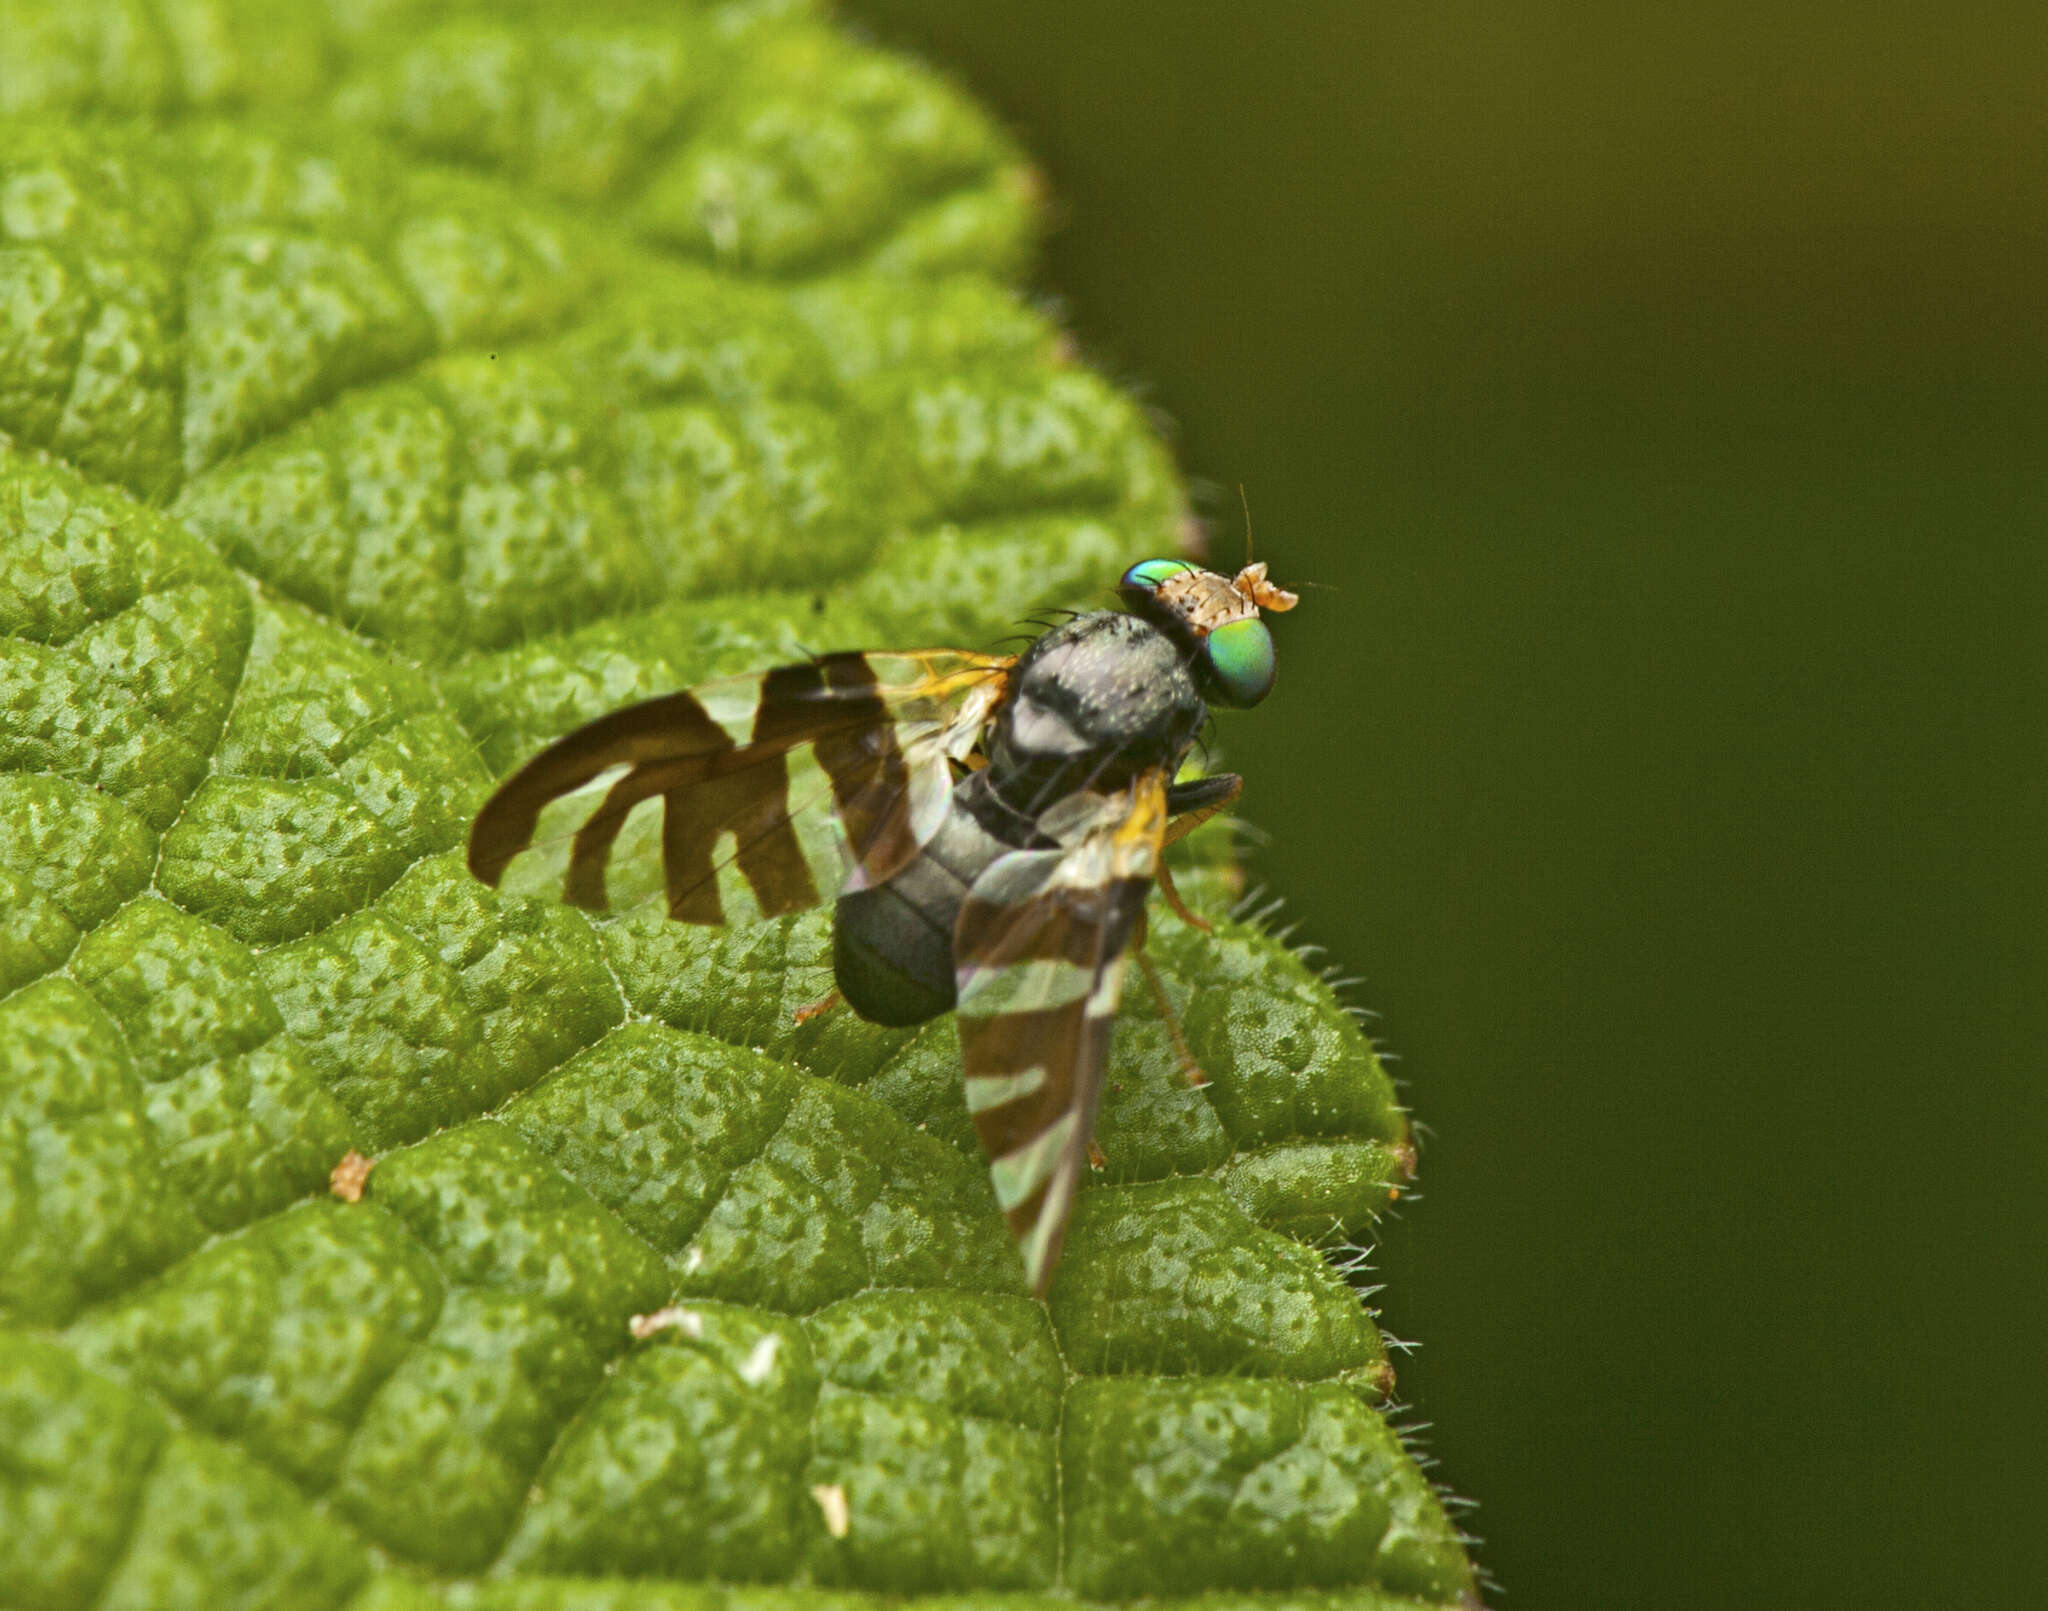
(384, 389)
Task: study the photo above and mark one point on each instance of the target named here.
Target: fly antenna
(1251, 581)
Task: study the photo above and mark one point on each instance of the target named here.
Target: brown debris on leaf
(350, 1176)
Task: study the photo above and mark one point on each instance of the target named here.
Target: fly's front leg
(1179, 906)
(1188, 806)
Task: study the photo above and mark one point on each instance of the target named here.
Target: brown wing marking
(871, 779)
(1040, 947)
(718, 758)
(752, 801)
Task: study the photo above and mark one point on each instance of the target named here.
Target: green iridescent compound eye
(1140, 587)
(1149, 573)
(1240, 662)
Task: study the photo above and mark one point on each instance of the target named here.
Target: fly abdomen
(892, 945)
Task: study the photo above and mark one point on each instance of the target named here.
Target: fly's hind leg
(816, 1009)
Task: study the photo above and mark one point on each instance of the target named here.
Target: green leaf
(385, 388)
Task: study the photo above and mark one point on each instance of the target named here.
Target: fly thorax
(1091, 704)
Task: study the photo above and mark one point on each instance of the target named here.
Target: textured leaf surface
(385, 388)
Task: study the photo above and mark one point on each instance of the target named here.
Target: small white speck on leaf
(760, 1361)
(687, 1321)
(831, 1498)
(693, 1261)
(718, 210)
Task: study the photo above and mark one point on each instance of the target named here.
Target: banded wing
(1039, 951)
(863, 740)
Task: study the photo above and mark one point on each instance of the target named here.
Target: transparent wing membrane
(635, 877)
(748, 797)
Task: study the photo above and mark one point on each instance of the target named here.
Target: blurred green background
(1661, 396)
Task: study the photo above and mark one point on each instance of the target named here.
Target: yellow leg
(816, 1009)
(1190, 1070)
(1173, 900)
